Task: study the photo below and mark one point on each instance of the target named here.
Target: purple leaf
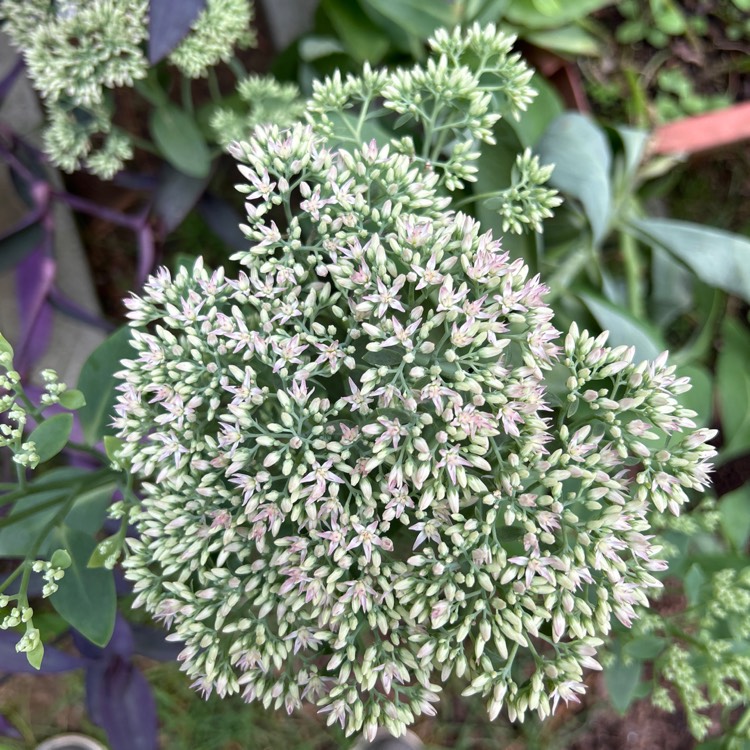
(168, 24)
(72, 309)
(146, 252)
(223, 221)
(54, 660)
(120, 701)
(152, 643)
(6, 84)
(35, 276)
(21, 239)
(175, 195)
(120, 644)
(7, 729)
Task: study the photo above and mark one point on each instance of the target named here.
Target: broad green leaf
(700, 396)
(634, 142)
(545, 14)
(718, 258)
(363, 40)
(27, 520)
(566, 40)
(36, 655)
(421, 18)
(487, 11)
(180, 141)
(313, 48)
(734, 516)
(90, 508)
(72, 399)
(733, 379)
(51, 436)
(544, 108)
(580, 152)
(112, 445)
(624, 328)
(622, 682)
(86, 596)
(671, 288)
(693, 582)
(44, 498)
(645, 647)
(494, 173)
(98, 384)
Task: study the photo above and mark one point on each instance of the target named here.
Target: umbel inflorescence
(368, 462)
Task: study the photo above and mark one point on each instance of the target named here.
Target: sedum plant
(77, 53)
(369, 461)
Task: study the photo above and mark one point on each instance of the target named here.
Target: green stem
(186, 90)
(143, 144)
(12, 577)
(236, 66)
(477, 197)
(213, 86)
(567, 271)
(633, 274)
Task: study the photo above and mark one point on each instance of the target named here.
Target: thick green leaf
(113, 444)
(72, 399)
(363, 40)
(545, 14)
(671, 288)
(90, 508)
(313, 48)
(693, 582)
(44, 498)
(634, 142)
(36, 655)
(566, 40)
(622, 681)
(486, 11)
(734, 387)
(624, 328)
(418, 17)
(86, 596)
(27, 520)
(50, 436)
(718, 258)
(494, 173)
(180, 141)
(544, 108)
(734, 515)
(98, 384)
(581, 154)
(645, 647)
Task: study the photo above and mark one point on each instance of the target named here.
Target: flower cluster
(438, 114)
(264, 100)
(15, 409)
(221, 28)
(76, 52)
(369, 465)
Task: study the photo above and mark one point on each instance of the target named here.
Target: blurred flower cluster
(77, 53)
